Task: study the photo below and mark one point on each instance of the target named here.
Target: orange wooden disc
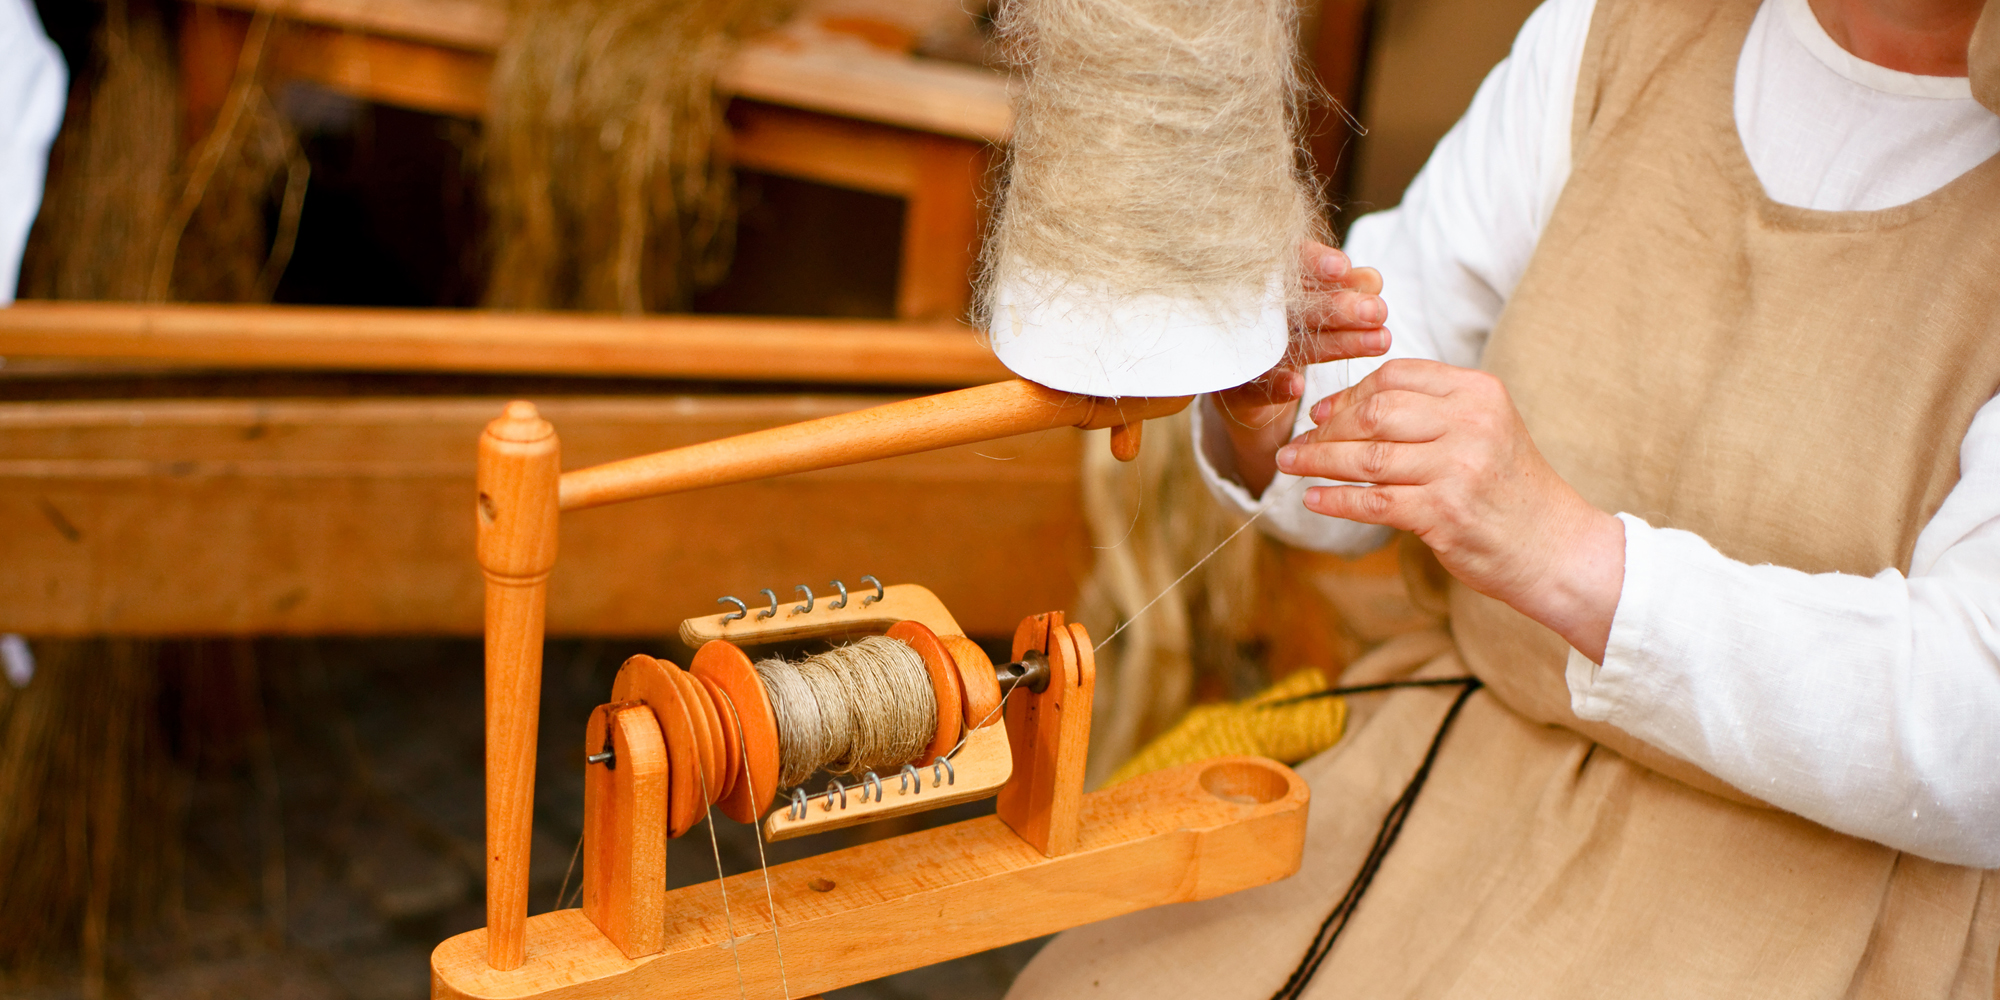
(732, 736)
(944, 685)
(975, 676)
(645, 679)
(722, 662)
(701, 712)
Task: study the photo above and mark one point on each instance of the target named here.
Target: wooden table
(807, 103)
(254, 499)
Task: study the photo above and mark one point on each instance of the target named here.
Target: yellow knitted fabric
(1289, 733)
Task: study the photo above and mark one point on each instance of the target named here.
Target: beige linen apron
(1790, 384)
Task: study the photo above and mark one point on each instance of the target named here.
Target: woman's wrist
(1255, 434)
(1577, 595)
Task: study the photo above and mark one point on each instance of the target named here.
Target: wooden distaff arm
(906, 427)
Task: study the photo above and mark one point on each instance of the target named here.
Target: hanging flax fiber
(1151, 519)
(1155, 153)
(864, 706)
(606, 182)
(128, 215)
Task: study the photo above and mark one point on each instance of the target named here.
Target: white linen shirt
(33, 83)
(1874, 703)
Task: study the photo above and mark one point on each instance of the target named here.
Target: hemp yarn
(853, 708)
(1156, 197)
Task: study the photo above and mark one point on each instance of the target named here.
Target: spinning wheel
(673, 743)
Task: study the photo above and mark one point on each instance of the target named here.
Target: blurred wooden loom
(674, 741)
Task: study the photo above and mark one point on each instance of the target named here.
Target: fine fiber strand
(1155, 153)
(851, 709)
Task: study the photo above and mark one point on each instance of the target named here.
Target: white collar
(1810, 33)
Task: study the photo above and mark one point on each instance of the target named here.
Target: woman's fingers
(1333, 345)
(1322, 263)
(1393, 506)
(1394, 462)
(1429, 378)
(1342, 309)
(1279, 385)
(1392, 415)
(1365, 280)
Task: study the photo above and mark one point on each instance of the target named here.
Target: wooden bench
(290, 512)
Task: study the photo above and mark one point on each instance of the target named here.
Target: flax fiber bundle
(1151, 519)
(606, 186)
(126, 218)
(1154, 167)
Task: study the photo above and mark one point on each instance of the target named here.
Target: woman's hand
(1453, 463)
(1342, 318)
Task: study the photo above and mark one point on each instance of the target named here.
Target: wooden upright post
(1049, 733)
(519, 469)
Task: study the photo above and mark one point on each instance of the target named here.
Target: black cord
(1368, 689)
(1385, 838)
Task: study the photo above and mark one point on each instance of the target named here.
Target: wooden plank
(356, 517)
(408, 74)
(1184, 834)
(941, 229)
(769, 349)
(855, 82)
(474, 25)
(862, 156)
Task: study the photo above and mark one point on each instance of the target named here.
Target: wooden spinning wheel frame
(1051, 857)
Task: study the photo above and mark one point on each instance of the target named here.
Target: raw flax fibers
(606, 182)
(1155, 153)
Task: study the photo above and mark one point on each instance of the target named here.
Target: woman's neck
(1924, 37)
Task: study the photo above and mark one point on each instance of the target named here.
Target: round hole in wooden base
(1245, 782)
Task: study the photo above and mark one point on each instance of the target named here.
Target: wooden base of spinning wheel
(1193, 832)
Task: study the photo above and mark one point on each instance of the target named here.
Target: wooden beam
(385, 69)
(861, 156)
(355, 516)
(941, 228)
(765, 349)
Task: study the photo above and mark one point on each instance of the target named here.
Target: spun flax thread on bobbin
(851, 709)
(1154, 152)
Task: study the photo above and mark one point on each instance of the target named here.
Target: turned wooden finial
(520, 465)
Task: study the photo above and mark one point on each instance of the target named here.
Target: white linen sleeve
(1870, 705)
(33, 83)
(1449, 254)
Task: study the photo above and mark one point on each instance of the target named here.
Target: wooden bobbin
(645, 679)
(732, 736)
(945, 686)
(724, 664)
(709, 729)
(980, 689)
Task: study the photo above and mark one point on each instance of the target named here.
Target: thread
(853, 708)
(1155, 181)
